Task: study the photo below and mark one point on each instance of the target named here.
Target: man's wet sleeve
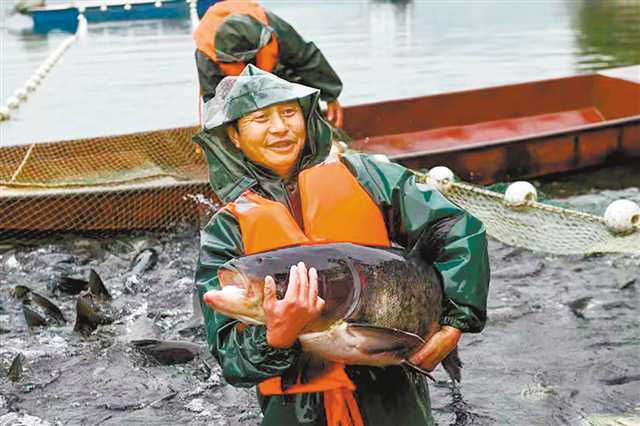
(209, 75)
(305, 59)
(242, 352)
(409, 209)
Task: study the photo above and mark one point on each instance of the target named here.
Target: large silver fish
(380, 304)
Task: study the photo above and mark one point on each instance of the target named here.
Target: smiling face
(272, 137)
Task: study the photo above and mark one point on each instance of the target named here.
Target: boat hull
(509, 132)
(65, 17)
(486, 135)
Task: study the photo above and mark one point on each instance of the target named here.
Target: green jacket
(299, 61)
(385, 395)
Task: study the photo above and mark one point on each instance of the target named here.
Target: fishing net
(157, 180)
(136, 181)
(540, 226)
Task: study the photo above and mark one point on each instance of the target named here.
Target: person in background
(234, 33)
(270, 158)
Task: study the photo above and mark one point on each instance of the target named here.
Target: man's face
(272, 137)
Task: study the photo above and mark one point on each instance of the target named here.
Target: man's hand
(334, 113)
(436, 348)
(301, 304)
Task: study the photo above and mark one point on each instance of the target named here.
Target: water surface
(132, 76)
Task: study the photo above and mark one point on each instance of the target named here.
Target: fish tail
(452, 365)
(430, 244)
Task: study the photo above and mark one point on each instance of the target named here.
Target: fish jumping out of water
(380, 304)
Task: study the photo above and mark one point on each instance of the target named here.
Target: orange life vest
(335, 208)
(205, 34)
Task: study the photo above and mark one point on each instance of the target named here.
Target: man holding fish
(333, 282)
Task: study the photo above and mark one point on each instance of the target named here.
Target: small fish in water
(195, 326)
(69, 285)
(17, 368)
(38, 310)
(578, 306)
(33, 318)
(168, 352)
(143, 262)
(92, 307)
(380, 304)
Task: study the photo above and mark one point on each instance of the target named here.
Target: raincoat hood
(230, 172)
(240, 37)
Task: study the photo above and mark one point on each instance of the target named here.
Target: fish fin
(32, 317)
(97, 287)
(418, 369)
(452, 365)
(430, 243)
(377, 340)
(49, 307)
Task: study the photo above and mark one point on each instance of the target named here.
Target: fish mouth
(235, 302)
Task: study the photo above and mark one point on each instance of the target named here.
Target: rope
(538, 226)
(22, 163)
(22, 93)
(193, 14)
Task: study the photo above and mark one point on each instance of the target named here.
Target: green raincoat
(385, 396)
(239, 38)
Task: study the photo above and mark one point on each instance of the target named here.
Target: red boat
(509, 132)
(500, 133)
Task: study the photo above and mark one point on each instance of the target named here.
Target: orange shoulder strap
(205, 34)
(265, 224)
(336, 208)
(341, 408)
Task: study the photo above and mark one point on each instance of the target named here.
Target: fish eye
(259, 260)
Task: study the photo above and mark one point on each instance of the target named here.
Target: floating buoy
(127, 6)
(622, 216)
(443, 177)
(21, 94)
(13, 102)
(341, 146)
(520, 194)
(31, 85)
(381, 157)
(81, 31)
(5, 113)
(103, 7)
(158, 3)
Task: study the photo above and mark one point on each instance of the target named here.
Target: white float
(13, 102)
(21, 94)
(520, 194)
(442, 176)
(381, 157)
(622, 216)
(5, 113)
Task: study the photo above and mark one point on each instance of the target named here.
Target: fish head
(241, 292)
